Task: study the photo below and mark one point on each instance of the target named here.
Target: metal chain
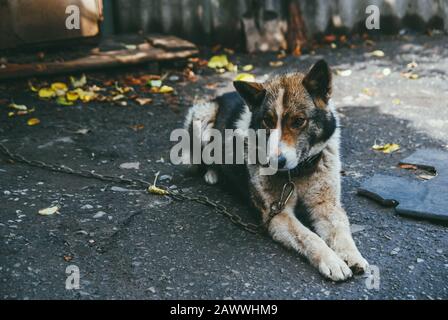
(151, 188)
(221, 209)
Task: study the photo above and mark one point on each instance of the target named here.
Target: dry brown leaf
(137, 127)
(276, 64)
(143, 101)
(407, 166)
(211, 85)
(410, 75)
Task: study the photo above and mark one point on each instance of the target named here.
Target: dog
(296, 111)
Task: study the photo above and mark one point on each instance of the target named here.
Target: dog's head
(294, 108)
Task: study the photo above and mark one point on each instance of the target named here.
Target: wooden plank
(170, 43)
(97, 59)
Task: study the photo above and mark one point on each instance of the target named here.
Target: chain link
(175, 195)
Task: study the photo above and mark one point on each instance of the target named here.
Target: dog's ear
(252, 93)
(318, 83)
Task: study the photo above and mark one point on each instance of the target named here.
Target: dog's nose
(281, 161)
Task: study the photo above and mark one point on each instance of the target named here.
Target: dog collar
(305, 167)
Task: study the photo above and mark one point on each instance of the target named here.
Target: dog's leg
(211, 176)
(331, 223)
(287, 229)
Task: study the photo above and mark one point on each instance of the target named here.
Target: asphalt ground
(131, 245)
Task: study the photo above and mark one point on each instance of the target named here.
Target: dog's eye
(299, 123)
(268, 121)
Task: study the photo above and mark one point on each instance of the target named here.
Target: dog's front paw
(356, 262)
(211, 177)
(346, 249)
(333, 267)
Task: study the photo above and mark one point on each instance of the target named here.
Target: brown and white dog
(298, 106)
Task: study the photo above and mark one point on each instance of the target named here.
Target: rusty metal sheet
(24, 22)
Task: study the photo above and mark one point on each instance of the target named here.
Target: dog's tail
(200, 117)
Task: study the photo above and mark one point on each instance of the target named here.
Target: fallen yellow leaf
(49, 211)
(217, 62)
(32, 87)
(72, 96)
(85, 96)
(77, 83)
(248, 68)
(46, 93)
(396, 102)
(245, 77)
(20, 107)
(386, 148)
(166, 89)
(231, 67)
(63, 101)
(368, 91)
(33, 121)
(59, 88)
(123, 89)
